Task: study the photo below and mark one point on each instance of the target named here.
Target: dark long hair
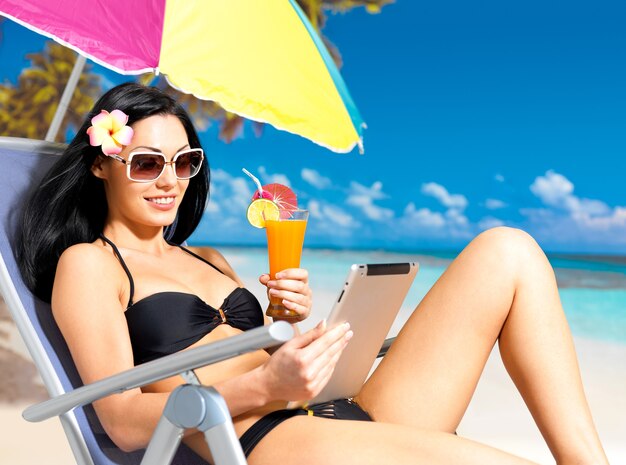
(69, 206)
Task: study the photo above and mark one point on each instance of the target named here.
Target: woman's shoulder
(87, 272)
(87, 257)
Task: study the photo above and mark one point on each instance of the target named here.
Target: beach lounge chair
(23, 163)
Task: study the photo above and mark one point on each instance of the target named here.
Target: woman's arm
(87, 305)
(298, 370)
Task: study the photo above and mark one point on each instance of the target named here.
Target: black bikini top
(167, 322)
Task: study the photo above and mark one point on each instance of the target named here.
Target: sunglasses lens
(188, 164)
(146, 167)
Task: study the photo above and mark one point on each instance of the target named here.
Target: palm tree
(27, 109)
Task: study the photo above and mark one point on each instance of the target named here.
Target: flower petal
(103, 120)
(118, 120)
(97, 135)
(123, 136)
(110, 147)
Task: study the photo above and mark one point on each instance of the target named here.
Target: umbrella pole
(66, 98)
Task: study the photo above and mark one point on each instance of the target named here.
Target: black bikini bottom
(341, 409)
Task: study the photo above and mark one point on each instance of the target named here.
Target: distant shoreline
(439, 253)
(573, 271)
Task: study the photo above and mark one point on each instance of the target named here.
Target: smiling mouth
(161, 200)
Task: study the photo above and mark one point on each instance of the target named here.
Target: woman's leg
(321, 441)
(500, 288)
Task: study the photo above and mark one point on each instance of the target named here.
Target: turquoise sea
(592, 288)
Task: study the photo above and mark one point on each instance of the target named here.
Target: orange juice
(285, 238)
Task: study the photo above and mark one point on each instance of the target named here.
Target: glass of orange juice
(285, 237)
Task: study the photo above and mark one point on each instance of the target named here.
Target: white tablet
(370, 300)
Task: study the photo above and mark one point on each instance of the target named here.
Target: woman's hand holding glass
(301, 367)
(292, 286)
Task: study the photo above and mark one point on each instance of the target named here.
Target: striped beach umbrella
(260, 59)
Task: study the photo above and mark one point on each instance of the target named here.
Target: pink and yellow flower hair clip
(109, 130)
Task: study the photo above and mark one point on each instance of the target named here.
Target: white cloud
(489, 222)
(373, 212)
(448, 200)
(314, 178)
(338, 216)
(375, 192)
(315, 209)
(273, 178)
(498, 177)
(363, 198)
(589, 207)
(218, 174)
(240, 190)
(229, 194)
(494, 204)
(212, 207)
(423, 217)
(328, 213)
(555, 190)
(456, 218)
(561, 220)
(571, 219)
(425, 223)
(615, 220)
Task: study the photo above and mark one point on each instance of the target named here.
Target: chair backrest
(24, 162)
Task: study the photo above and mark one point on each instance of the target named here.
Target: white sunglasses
(149, 166)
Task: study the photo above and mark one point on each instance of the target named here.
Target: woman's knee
(510, 246)
(509, 240)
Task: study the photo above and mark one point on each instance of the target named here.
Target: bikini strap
(123, 263)
(200, 258)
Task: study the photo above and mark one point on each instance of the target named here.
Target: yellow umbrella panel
(257, 60)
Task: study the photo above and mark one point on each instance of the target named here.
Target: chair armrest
(385, 347)
(165, 367)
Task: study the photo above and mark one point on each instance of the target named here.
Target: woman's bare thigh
(322, 441)
(430, 373)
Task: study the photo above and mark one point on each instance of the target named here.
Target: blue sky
(478, 114)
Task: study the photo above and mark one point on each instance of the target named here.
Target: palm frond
(29, 106)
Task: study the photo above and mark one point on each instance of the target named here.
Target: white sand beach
(496, 416)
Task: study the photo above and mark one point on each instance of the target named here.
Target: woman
(99, 242)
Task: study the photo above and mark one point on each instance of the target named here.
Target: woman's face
(154, 203)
